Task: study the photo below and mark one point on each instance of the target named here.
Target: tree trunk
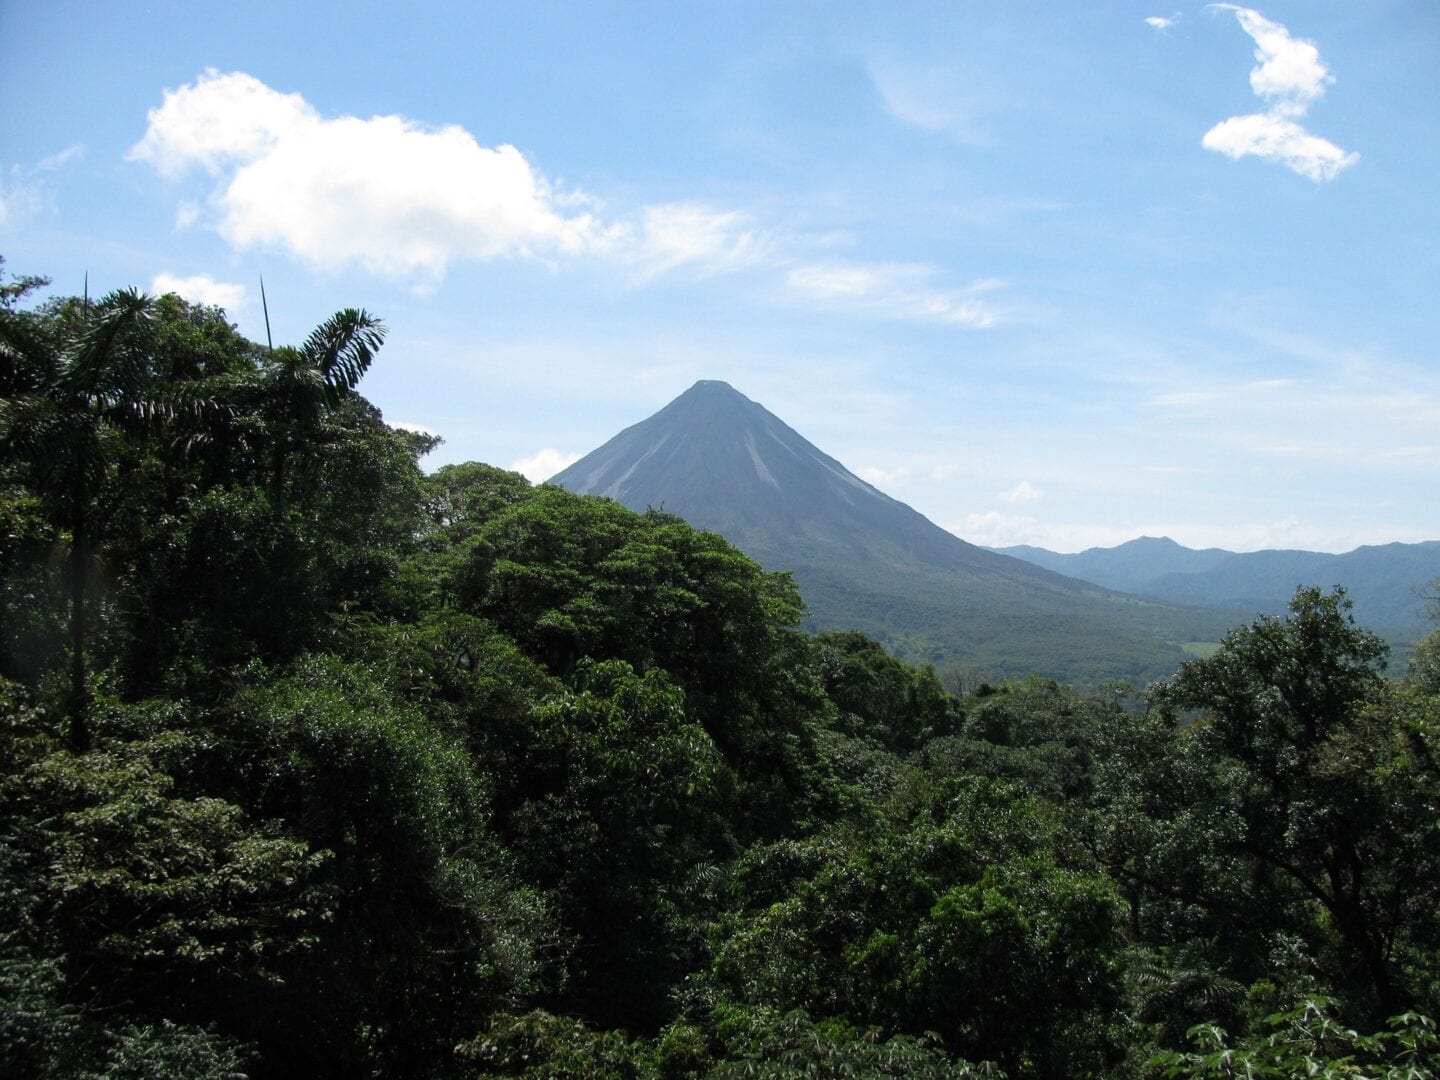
(79, 688)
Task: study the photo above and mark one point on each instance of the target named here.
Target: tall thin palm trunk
(79, 684)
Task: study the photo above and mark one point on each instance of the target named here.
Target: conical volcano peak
(862, 559)
(714, 448)
(715, 414)
(712, 393)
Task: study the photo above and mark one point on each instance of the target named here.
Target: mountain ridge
(1384, 580)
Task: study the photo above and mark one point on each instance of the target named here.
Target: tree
(899, 705)
(570, 577)
(299, 385)
(622, 809)
(1285, 768)
(429, 928)
(969, 920)
(58, 426)
(1424, 670)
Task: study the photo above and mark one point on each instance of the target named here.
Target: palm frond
(1162, 988)
(343, 347)
(97, 364)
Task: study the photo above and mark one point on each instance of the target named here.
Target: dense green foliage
(314, 765)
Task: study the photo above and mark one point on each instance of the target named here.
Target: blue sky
(1052, 274)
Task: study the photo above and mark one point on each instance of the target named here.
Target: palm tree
(62, 414)
(82, 382)
(299, 385)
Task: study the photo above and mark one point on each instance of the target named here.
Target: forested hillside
(314, 765)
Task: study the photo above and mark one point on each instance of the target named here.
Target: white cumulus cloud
(543, 464)
(385, 193)
(200, 289)
(1290, 76)
(1290, 70)
(1277, 137)
(1160, 22)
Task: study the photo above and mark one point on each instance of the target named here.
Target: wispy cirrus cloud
(20, 199)
(1186, 398)
(897, 291)
(943, 100)
(1339, 416)
(1290, 76)
(25, 191)
(672, 235)
(61, 158)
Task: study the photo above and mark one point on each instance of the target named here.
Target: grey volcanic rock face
(864, 560)
(725, 463)
(712, 440)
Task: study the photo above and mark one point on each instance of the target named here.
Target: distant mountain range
(1384, 581)
(863, 560)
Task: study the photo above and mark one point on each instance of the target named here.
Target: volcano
(866, 561)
